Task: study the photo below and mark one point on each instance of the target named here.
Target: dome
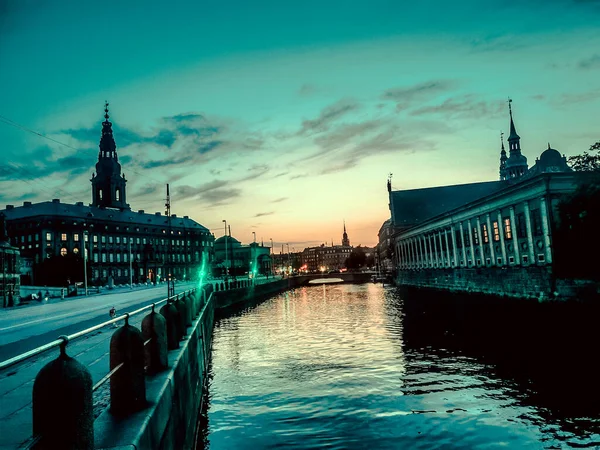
(230, 241)
(551, 157)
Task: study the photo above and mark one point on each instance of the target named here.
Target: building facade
(114, 243)
(490, 237)
(232, 258)
(9, 264)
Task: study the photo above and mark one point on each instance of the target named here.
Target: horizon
(287, 121)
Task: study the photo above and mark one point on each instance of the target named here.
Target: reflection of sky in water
(324, 366)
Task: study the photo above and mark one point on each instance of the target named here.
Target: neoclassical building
(120, 244)
(458, 237)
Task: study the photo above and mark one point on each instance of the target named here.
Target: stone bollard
(154, 327)
(188, 302)
(171, 315)
(128, 384)
(62, 404)
(181, 310)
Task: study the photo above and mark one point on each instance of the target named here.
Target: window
(475, 236)
(486, 237)
(29, 238)
(536, 219)
(85, 237)
(110, 239)
(119, 272)
(126, 272)
(511, 259)
(457, 238)
(118, 239)
(496, 232)
(541, 258)
(143, 240)
(125, 257)
(499, 260)
(103, 257)
(100, 196)
(137, 240)
(76, 237)
(63, 236)
(103, 239)
(37, 237)
(104, 272)
(521, 226)
(110, 257)
(118, 195)
(63, 251)
(95, 239)
(118, 257)
(95, 257)
(507, 228)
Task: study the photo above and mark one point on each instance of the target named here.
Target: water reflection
(347, 366)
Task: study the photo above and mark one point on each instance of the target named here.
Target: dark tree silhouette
(357, 258)
(579, 222)
(587, 161)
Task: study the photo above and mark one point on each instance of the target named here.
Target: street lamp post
(288, 255)
(272, 256)
(226, 262)
(85, 238)
(131, 265)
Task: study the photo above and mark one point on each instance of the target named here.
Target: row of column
(439, 248)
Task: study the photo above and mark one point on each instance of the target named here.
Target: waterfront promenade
(26, 327)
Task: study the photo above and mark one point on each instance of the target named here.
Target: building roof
(413, 206)
(80, 211)
(230, 240)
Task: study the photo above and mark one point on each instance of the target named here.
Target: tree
(357, 258)
(587, 162)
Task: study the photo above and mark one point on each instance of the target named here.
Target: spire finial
(106, 110)
(502, 139)
(510, 106)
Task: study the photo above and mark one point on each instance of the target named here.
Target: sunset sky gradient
(285, 118)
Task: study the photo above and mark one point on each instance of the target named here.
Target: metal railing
(65, 339)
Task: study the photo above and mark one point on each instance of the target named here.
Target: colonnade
(463, 242)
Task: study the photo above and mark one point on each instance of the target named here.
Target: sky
(286, 118)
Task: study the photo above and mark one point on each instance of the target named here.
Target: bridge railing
(66, 384)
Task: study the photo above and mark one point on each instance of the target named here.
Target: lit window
(63, 237)
(63, 251)
(95, 239)
(143, 240)
(76, 250)
(507, 228)
(496, 232)
(137, 240)
(86, 237)
(76, 237)
(110, 239)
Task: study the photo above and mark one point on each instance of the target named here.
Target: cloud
(406, 95)
(580, 97)
(295, 177)
(593, 62)
(281, 174)
(466, 106)
(165, 162)
(220, 197)
(307, 90)
(327, 116)
(280, 199)
(265, 214)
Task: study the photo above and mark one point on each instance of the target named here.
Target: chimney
(79, 204)
(56, 200)
(173, 215)
(157, 214)
(26, 204)
(141, 211)
(186, 217)
(10, 206)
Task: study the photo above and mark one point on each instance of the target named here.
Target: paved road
(26, 327)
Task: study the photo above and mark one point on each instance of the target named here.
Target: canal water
(365, 366)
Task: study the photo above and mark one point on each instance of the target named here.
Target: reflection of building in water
(459, 237)
(53, 235)
(9, 264)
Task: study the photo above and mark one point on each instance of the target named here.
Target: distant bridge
(346, 277)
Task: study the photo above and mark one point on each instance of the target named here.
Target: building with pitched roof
(120, 245)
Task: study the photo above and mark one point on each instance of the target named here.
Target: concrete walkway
(16, 383)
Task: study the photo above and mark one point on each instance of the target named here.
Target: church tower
(345, 240)
(516, 164)
(503, 158)
(108, 185)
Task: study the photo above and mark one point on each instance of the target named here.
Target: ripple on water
(335, 367)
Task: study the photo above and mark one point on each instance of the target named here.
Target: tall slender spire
(503, 158)
(513, 130)
(345, 240)
(516, 165)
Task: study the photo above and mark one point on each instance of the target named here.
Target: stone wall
(517, 282)
(169, 421)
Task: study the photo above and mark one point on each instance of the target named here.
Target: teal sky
(285, 118)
